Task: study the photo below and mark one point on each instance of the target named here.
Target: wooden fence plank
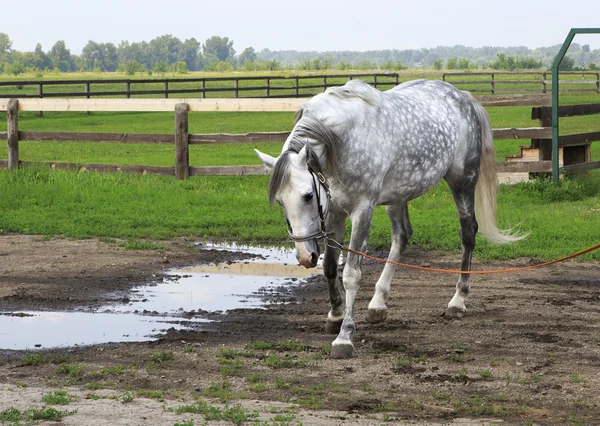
(523, 133)
(579, 139)
(97, 137)
(105, 168)
(161, 105)
(227, 170)
(252, 137)
(581, 168)
(525, 166)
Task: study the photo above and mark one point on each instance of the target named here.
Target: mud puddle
(181, 301)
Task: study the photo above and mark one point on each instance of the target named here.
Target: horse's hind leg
(401, 232)
(464, 197)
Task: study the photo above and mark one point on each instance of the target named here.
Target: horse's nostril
(314, 259)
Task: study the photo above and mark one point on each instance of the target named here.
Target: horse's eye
(307, 197)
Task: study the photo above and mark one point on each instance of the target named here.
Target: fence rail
(182, 139)
(290, 86)
(272, 87)
(507, 82)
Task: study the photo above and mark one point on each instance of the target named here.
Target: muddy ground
(526, 352)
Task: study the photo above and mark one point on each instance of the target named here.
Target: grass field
(38, 200)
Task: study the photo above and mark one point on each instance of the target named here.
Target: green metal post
(555, 66)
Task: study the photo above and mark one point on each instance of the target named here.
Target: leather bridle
(319, 182)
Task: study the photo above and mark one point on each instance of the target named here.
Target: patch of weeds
(113, 370)
(461, 375)
(235, 414)
(189, 422)
(127, 397)
(230, 367)
(59, 397)
(403, 362)
(257, 387)
(368, 389)
(597, 340)
(282, 383)
(310, 397)
(485, 374)
(576, 378)
(187, 348)
(151, 394)
(32, 358)
(71, 370)
(384, 406)
(287, 361)
(254, 377)
(441, 396)
(47, 413)
(221, 391)
(282, 346)
(458, 357)
(99, 385)
(10, 415)
(579, 403)
(536, 378)
(159, 357)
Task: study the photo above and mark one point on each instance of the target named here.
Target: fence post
(182, 156)
(598, 82)
(493, 85)
(87, 94)
(267, 87)
(166, 89)
(544, 82)
(12, 114)
(41, 95)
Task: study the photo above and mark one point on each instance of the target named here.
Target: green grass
(59, 397)
(562, 219)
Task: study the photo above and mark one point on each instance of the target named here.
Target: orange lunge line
(455, 271)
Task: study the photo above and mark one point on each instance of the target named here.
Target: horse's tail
(485, 192)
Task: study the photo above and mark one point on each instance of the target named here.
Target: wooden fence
(256, 87)
(523, 82)
(290, 86)
(182, 139)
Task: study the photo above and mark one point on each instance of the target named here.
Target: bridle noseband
(321, 233)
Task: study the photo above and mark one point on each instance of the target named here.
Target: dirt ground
(526, 352)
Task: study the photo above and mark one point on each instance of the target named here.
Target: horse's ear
(303, 154)
(266, 159)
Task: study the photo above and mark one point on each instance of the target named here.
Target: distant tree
(160, 68)
(44, 61)
(220, 47)
(586, 48)
(165, 48)
(5, 45)
(437, 64)
(567, 64)
(190, 54)
(248, 55)
(61, 57)
(131, 67)
(452, 63)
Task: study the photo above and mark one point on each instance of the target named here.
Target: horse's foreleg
(342, 346)
(401, 232)
(468, 230)
(337, 224)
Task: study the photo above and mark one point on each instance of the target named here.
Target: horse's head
(298, 186)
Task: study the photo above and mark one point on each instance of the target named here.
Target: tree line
(167, 53)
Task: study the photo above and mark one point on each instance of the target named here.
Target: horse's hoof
(454, 312)
(333, 326)
(375, 316)
(342, 350)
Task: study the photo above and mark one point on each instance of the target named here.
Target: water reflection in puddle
(197, 289)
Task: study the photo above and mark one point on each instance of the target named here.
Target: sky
(308, 25)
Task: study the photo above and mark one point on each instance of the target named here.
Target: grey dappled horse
(353, 148)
